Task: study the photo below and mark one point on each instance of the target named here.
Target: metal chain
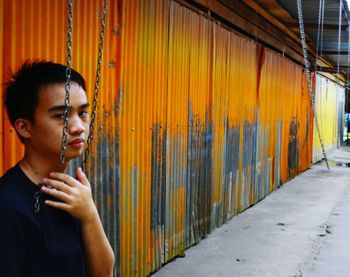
(97, 82)
(339, 36)
(319, 30)
(308, 76)
(67, 86)
(37, 195)
(322, 29)
(338, 59)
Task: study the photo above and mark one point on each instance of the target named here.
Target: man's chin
(71, 155)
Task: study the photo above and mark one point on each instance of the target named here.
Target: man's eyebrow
(60, 108)
(56, 108)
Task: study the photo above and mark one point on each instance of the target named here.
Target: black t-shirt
(44, 243)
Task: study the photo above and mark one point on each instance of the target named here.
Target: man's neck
(36, 168)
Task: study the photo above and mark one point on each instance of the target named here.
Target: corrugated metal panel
(306, 127)
(189, 130)
(234, 108)
(295, 155)
(180, 28)
(195, 122)
(143, 135)
(328, 102)
(268, 121)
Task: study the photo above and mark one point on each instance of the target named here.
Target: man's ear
(23, 127)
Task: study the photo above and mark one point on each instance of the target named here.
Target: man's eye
(59, 116)
(84, 114)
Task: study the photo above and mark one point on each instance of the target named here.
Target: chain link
(67, 86)
(308, 75)
(37, 195)
(97, 83)
(339, 36)
(319, 31)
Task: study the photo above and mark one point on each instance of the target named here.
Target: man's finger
(57, 185)
(82, 177)
(58, 205)
(70, 181)
(57, 194)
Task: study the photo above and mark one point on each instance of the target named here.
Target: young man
(49, 223)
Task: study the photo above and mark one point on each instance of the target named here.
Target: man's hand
(75, 195)
(76, 198)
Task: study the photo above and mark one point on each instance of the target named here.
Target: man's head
(22, 90)
(34, 98)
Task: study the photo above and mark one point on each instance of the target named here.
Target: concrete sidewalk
(301, 229)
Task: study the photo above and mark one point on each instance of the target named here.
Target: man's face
(46, 131)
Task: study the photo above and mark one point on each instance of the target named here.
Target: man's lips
(77, 142)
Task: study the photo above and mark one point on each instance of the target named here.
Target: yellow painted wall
(328, 101)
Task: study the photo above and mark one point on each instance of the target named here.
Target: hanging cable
(308, 76)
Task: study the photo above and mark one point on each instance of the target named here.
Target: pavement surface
(299, 230)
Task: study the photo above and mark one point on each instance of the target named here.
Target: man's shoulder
(11, 192)
(8, 180)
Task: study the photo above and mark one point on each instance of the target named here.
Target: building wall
(195, 122)
(329, 106)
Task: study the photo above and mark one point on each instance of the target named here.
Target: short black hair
(22, 90)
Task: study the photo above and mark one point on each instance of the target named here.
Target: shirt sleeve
(16, 237)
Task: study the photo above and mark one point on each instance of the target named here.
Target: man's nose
(75, 125)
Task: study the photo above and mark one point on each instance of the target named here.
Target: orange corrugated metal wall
(195, 122)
